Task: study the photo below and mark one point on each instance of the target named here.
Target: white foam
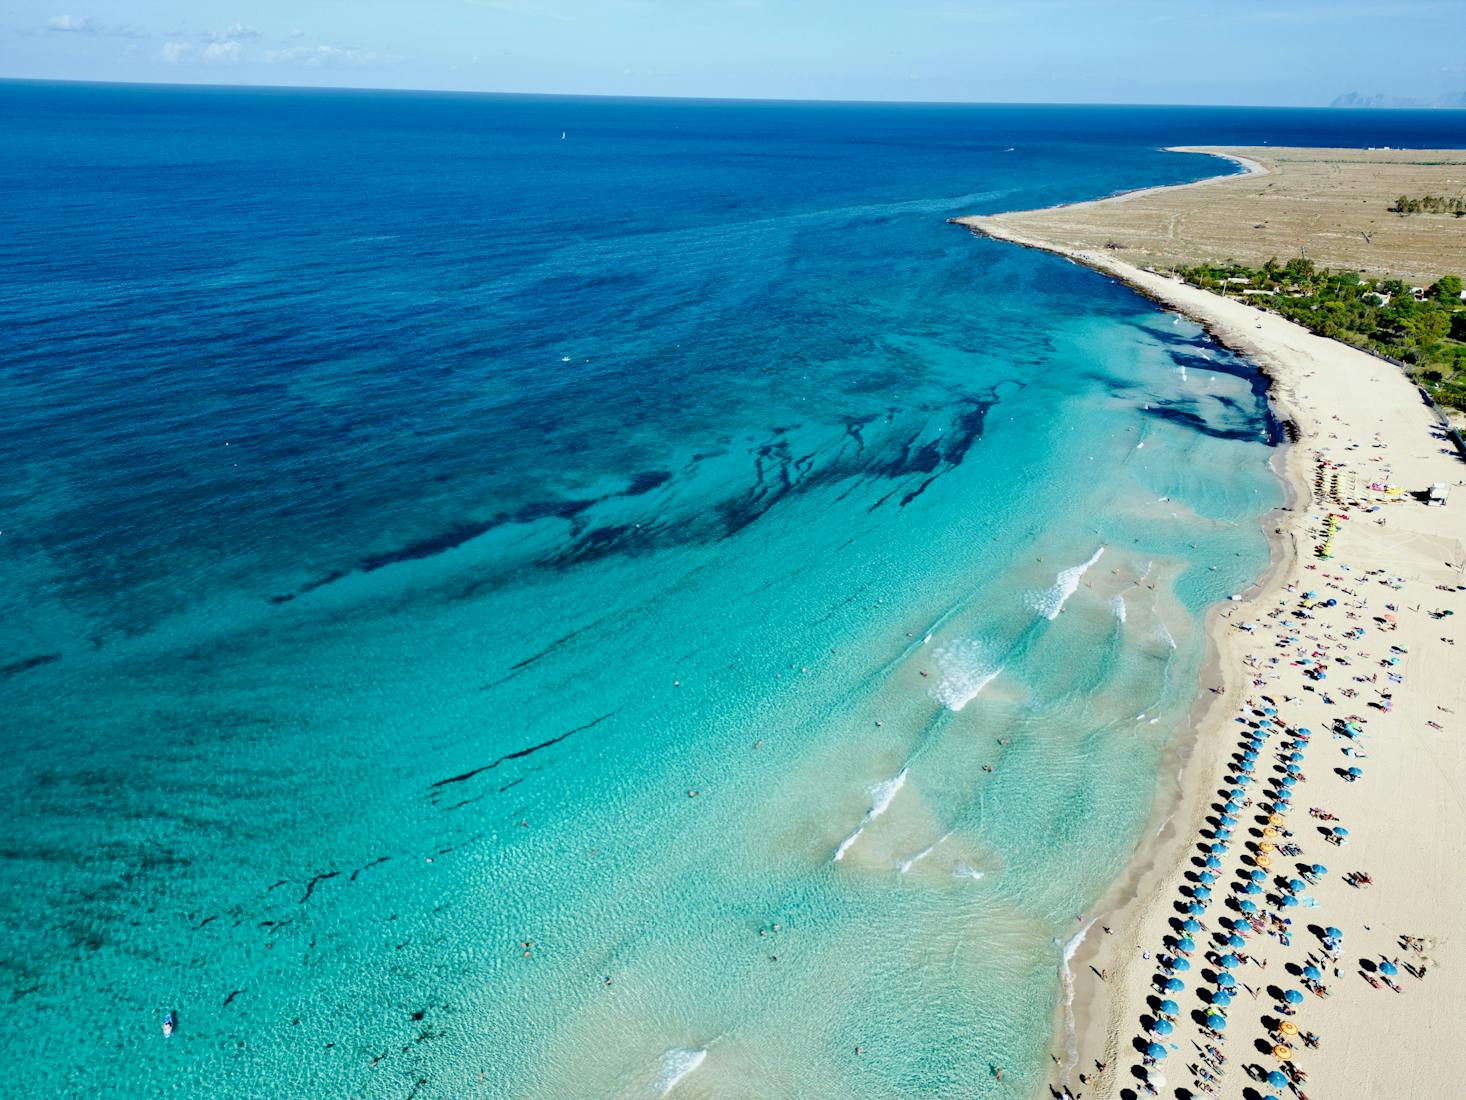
(967, 668)
(881, 795)
(1166, 634)
(962, 870)
(675, 1065)
(1071, 1036)
(1118, 603)
(906, 864)
(1050, 603)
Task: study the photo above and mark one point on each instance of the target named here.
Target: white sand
(1406, 815)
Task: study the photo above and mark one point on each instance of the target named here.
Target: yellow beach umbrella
(1282, 1053)
(1265, 846)
(1288, 1027)
(1275, 819)
(1269, 832)
(1263, 862)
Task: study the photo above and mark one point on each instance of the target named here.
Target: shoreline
(1094, 1017)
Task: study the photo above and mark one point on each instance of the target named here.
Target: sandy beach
(1344, 982)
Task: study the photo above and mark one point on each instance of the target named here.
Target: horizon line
(222, 86)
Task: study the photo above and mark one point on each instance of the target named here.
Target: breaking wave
(1050, 603)
(881, 795)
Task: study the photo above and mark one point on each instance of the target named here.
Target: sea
(546, 598)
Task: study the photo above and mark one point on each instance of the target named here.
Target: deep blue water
(407, 506)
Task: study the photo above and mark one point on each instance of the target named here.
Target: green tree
(1446, 289)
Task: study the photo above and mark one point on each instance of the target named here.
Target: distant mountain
(1379, 99)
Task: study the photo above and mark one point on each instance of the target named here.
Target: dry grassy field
(1331, 205)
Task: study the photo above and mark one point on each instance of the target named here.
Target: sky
(1279, 52)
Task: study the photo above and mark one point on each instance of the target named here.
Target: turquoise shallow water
(499, 615)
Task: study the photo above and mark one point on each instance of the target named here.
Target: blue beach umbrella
(1270, 710)
(1202, 892)
(1226, 980)
(1221, 999)
(1196, 908)
(1389, 968)
(1294, 769)
(1258, 876)
(1226, 962)
(1155, 1050)
(1186, 944)
(1289, 901)
(1169, 1007)
(1213, 861)
(1181, 965)
(1293, 997)
(1295, 755)
(1355, 772)
(1332, 933)
(1217, 1022)
(1312, 973)
(1207, 877)
(1235, 940)
(1219, 846)
(1243, 780)
(1190, 925)
(1174, 985)
(1295, 884)
(1162, 1028)
(1341, 832)
(1304, 732)
(1320, 869)
(1249, 907)
(1228, 819)
(1276, 1079)
(1252, 888)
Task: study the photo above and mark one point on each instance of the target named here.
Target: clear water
(407, 508)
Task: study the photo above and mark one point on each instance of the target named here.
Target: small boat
(170, 1021)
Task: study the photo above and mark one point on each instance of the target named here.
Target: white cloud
(73, 24)
(85, 24)
(320, 56)
(174, 52)
(222, 51)
(235, 32)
